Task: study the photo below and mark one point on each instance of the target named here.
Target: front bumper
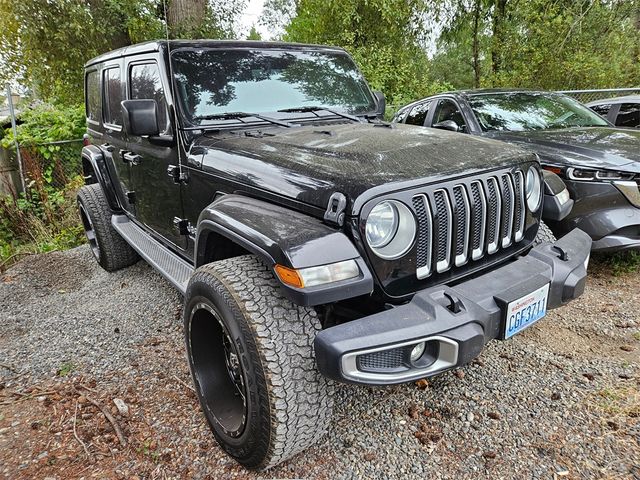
(455, 322)
(606, 212)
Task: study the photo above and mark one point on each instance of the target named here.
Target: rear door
(158, 197)
(114, 138)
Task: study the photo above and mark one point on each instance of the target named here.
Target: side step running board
(168, 264)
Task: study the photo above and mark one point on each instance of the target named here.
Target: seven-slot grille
(472, 219)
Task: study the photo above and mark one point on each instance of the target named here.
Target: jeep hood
(310, 163)
(595, 147)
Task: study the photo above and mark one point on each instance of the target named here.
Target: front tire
(250, 352)
(110, 250)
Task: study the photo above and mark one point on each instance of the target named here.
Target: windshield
(213, 82)
(531, 111)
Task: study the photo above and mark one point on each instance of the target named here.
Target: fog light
(417, 351)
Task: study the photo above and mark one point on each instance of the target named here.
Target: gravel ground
(562, 400)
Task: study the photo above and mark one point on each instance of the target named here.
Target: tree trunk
(499, 12)
(476, 47)
(187, 18)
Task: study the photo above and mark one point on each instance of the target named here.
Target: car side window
(93, 104)
(628, 115)
(602, 110)
(112, 86)
(449, 110)
(145, 83)
(418, 114)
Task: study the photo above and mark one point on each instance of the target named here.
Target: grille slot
(425, 231)
(467, 221)
(382, 360)
(443, 230)
(506, 226)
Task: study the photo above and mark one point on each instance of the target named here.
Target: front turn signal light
(320, 275)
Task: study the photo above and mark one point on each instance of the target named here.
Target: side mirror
(557, 203)
(381, 102)
(141, 117)
(447, 125)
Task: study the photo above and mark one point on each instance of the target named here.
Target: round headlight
(382, 224)
(390, 229)
(533, 189)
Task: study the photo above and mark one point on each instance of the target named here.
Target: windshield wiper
(314, 109)
(241, 115)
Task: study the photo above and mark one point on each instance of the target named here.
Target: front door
(158, 202)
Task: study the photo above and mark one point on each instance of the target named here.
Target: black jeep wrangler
(312, 241)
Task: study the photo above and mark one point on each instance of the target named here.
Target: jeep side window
(93, 105)
(145, 83)
(418, 114)
(112, 96)
(448, 110)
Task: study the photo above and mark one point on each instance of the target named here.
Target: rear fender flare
(92, 156)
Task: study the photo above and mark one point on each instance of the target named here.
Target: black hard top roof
(157, 45)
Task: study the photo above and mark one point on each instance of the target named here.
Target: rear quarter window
(112, 96)
(92, 97)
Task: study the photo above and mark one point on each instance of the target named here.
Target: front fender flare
(279, 235)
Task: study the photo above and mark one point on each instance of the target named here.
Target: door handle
(132, 158)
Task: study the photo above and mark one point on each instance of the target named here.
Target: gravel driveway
(562, 400)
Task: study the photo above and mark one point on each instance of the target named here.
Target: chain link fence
(586, 96)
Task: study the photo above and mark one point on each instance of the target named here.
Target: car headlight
(390, 229)
(591, 175)
(533, 189)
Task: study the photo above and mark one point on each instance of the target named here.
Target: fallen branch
(109, 417)
(184, 384)
(75, 433)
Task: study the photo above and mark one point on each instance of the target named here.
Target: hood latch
(335, 209)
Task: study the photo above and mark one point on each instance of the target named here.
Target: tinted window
(522, 111)
(629, 115)
(145, 83)
(93, 96)
(401, 115)
(602, 110)
(215, 81)
(112, 96)
(448, 110)
(418, 114)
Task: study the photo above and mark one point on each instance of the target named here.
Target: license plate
(525, 311)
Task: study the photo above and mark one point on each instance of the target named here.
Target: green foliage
(42, 220)
(539, 44)
(44, 44)
(384, 36)
(254, 34)
(65, 369)
(621, 263)
(45, 217)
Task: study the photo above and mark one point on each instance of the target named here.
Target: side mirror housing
(381, 103)
(447, 125)
(141, 117)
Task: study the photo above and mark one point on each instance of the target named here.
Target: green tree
(386, 38)
(254, 34)
(45, 43)
(549, 44)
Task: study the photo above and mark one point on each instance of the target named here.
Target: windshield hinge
(335, 209)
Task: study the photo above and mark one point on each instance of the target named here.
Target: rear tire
(110, 250)
(250, 352)
(544, 235)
